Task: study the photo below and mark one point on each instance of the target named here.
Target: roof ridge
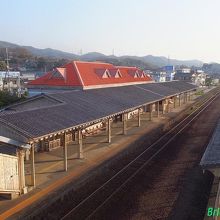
(98, 62)
(78, 73)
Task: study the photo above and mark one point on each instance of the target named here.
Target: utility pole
(7, 70)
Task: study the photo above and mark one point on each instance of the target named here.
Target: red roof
(91, 75)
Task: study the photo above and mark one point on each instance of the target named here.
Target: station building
(90, 75)
(48, 121)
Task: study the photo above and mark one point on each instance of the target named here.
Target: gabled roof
(89, 75)
(69, 77)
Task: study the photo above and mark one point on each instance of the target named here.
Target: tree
(208, 81)
(6, 98)
(3, 66)
(41, 62)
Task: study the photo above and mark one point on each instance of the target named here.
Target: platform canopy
(211, 157)
(48, 113)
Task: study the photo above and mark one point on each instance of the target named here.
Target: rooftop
(48, 113)
(211, 157)
(89, 75)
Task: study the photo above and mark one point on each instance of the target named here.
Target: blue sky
(187, 29)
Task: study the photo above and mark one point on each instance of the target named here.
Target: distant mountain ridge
(145, 61)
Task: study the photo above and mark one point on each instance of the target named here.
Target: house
(184, 74)
(10, 80)
(170, 72)
(197, 77)
(158, 76)
(90, 75)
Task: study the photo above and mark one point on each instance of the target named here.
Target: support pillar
(80, 146)
(21, 170)
(75, 136)
(150, 112)
(65, 156)
(184, 98)
(168, 106)
(162, 107)
(125, 123)
(174, 102)
(179, 100)
(109, 130)
(158, 109)
(139, 118)
(33, 174)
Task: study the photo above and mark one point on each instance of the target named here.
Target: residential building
(197, 77)
(158, 76)
(184, 74)
(10, 80)
(170, 72)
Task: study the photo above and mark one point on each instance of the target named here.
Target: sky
(180, 29)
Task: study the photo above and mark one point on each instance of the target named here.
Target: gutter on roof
(100, 86)
(14, 142)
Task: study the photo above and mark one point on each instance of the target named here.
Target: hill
(146, 62)
(212, 68)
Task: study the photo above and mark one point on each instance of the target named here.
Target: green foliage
(199, 92)
(2, 66)
(41, 62)
(6, 98)
(212, 68)
(26, 94)
(208, 81)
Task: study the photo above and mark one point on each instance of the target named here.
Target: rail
(139, 162)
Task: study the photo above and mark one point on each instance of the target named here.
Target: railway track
(90, 205)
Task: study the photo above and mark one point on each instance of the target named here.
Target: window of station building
(118, 74)
(106, 74)
(136, 75)
(103, 73)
